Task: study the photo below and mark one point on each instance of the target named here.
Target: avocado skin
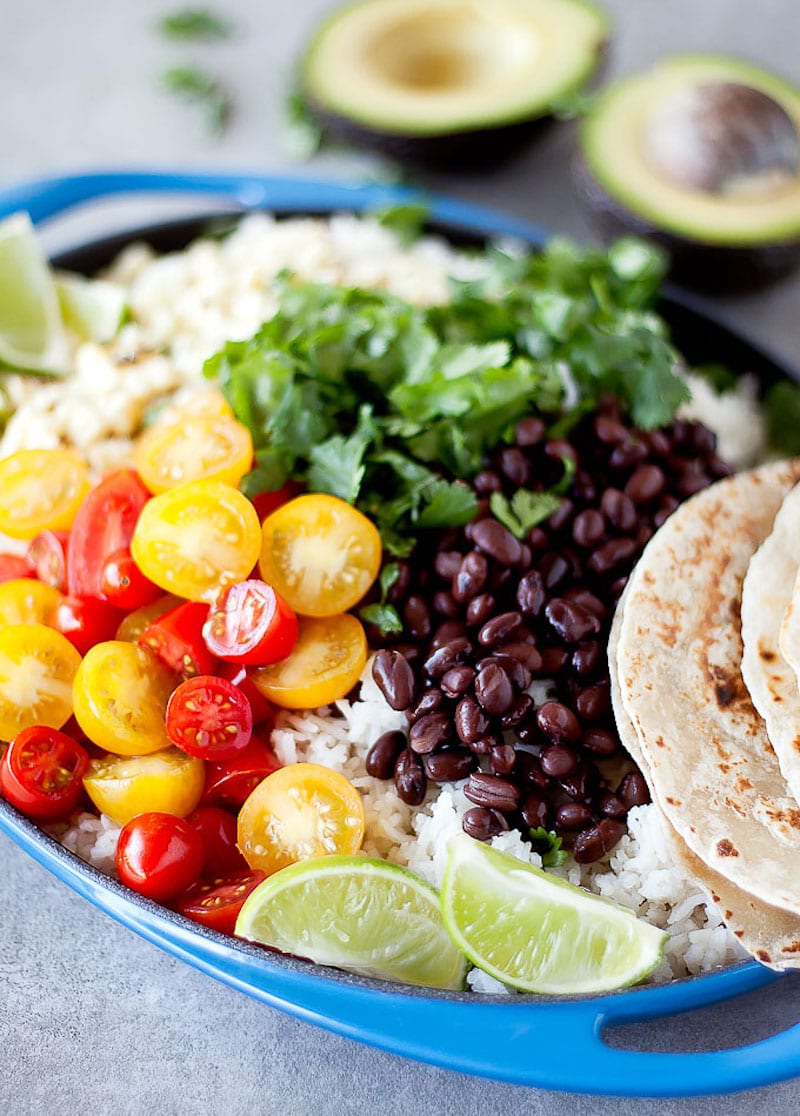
(704, 267)
(478, 149)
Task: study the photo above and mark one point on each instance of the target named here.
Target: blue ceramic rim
(497, 1041)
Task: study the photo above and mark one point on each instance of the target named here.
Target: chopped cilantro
(406, 220)
(548, 845)
(191, 83)
(194, 24)
(525, 510)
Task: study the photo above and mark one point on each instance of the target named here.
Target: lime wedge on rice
(355, 913)
(32, 336)
(94, 309)
(538, 933)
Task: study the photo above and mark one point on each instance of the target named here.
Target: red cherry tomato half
(209, 717)
(177, 638)
(229, 782)
(104, 524)
(47, 553)
(217, 827)
(216, 904)
(250, 623)
(159, 855)
(266, 502)
(85, 621)
(13, 566)
(261, 708)
(41, 773)
(124, 584)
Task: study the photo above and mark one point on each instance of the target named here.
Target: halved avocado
(703, 153)
(448, 81)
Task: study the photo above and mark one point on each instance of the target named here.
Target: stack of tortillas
(705, 660)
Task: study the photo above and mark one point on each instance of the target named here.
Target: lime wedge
(32, 337)
(363, 915)
(92, 308)
(538, 933)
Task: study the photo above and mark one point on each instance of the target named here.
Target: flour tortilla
(713, 771)
(770, 935)
(789, 635)
(766, 596)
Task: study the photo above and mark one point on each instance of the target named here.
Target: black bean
(596, 840)
(492, 791)
(470, 721)
(537, 538)
(410, 778)
(383, 754)
(592, 704)
(626, 455)
(444, 604)
(554, 659)
(570, 620)
(692, 480)
(609, 805)
(401, 584)
(609, 430)
(447, 631)
(529, 431)
(500, 629)
(446, 563)
(558, 449)
(487, 482)
(561, 516)
(470, 577)
(555, 568)
(588, 527)
(645, 484)
(633, 790)
(582, 782)
(497, 541)
(619, 509)
(704, 441)
(535, 811)
(611, 555)
(445, 658)
(514, 466)
(600, 741)
(531, 596)
(429, 702)
(480, 608)
(483, 824)
(457, 680)
(558, 723)
(659, 443)
(572, 816)
(501, 758)
(527, 654)
(666, 507)
(558, 760)
(394, 678)
(520, 710)
(587, 600)
(518, 674)
(528, 771)
(493, 689)
(719, 469)
(430, 732)
(450, 765)
(587, 658)
(417, 617)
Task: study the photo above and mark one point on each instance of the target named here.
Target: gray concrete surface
(92, 1019)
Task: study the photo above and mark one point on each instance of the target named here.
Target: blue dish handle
(49, 197)
(549, 1044)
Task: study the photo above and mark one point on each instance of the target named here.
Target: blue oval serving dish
(492, 1036)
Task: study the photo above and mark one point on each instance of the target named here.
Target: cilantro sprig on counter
(392, 407)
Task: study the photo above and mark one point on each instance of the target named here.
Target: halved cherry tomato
(104, 524)
(124, 584)
(324, 666)
(15, 566)
(41, 490)
(217, 902)
(229, 782)
(137, 621)
(240, 676)
(209, 717)
(250, 623)
(85, 621)
(198, 447)
(300, 811)
(120, 693)
(176, 637)
(123, 786)
(48, 555)
(320, 554)
(159, 855)
(41, 773)
(37, 668)
(217, 827)
(26, 601)
(196, 539)
(204, 402)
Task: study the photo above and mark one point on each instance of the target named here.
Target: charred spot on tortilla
(674, 801)
(743, 784)
(728, 914)
(789, 816)
(766, 654)
(793, 947)
(739, 933)
(726, 848)
(762, 955)
(660, 742)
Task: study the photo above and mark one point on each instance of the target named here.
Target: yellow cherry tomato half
(169, 782)
(25, 601)
(300, 811)
(41, 490)
(203, 447)
(208, 402)
(320, 553)
(120, 696)
(37, 669)
(196, 538)
(326, 663)
(132, 626)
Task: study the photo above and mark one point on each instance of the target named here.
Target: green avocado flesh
(706, 148)
(437, 67)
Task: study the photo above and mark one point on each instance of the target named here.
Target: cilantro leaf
(548, 845)
(525, 510)
(196, 85)
(194, 24)
(337, 464)
(406, 220)
(383, 616)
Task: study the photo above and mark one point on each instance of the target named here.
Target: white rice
(184, 307)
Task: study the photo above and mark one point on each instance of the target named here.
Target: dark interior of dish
(699, 336)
